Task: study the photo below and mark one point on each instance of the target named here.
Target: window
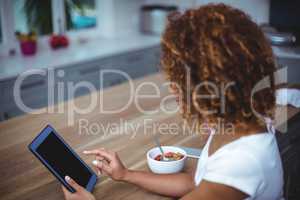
(45, 17)
(80, 14)
(33, 15)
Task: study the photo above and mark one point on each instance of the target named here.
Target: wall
(119, 17)
(257, 9)
(128, 16)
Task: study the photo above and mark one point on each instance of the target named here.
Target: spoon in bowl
(156, 140)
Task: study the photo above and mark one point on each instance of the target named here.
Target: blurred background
(82, 37)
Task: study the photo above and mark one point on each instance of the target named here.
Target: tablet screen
(62, 160)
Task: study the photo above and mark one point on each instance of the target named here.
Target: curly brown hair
(219, 44)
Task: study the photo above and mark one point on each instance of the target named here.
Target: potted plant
(28, 42)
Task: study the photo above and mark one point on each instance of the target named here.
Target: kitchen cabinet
(34, 90)
(293, 70)
(135, 64)
(1, 100)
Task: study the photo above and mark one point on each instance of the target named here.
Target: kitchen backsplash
(121, 17)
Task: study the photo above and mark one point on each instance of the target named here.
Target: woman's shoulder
(246, 163)
(260, 146)
(250, 156)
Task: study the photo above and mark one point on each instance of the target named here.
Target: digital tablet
(55, 154)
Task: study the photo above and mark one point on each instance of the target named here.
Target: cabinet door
(293, 69)
(78, 76)
(34, 89)
(151, 60)
(2, 89)
(135, 64)
(148, 62)
(126, 63)
(32, 92)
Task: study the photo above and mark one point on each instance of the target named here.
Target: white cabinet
(293, 69)
(1, 100)
(138, 63)
(34, 89)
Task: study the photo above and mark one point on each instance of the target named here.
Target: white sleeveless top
(250, 164)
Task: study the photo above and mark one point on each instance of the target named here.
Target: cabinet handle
(134, 58)
(89, 70)
(116, 82)
(6, 116)
(32, 85)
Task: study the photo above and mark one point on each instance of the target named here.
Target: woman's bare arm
(175, 185)
(214, 191)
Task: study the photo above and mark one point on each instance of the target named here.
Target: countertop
(95, 48)
(24, 177)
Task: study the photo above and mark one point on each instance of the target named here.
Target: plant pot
(28, 47)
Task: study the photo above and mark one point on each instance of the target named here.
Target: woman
(218, 45)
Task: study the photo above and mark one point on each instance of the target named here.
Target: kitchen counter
(24, 177)
(76, 53)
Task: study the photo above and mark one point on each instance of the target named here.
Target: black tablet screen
(63, 161)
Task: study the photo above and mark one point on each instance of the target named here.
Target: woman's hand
(80, 194)
(175, 185)
(109, 163)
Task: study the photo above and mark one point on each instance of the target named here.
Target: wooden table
(23, 176)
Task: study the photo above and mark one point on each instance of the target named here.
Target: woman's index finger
(99, 152)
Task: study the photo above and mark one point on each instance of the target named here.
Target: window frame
(9, 41)
(1, 22)
(7, 27)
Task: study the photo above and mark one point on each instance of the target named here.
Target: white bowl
(165, 167)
